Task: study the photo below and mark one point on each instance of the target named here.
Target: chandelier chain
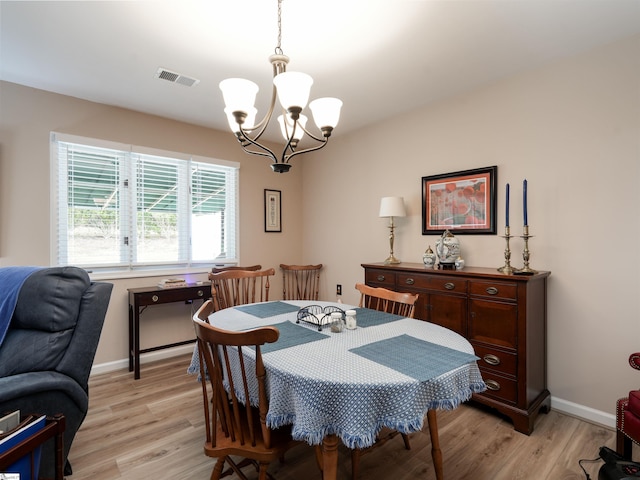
(279, 47)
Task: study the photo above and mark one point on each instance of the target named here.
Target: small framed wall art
(272, 210)
(462, 202)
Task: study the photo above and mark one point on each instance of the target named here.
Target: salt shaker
(351, 319)
(336, 322)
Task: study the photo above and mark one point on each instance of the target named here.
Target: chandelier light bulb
(287, 129)
(293, 89)
(326, 112)
(239, 94)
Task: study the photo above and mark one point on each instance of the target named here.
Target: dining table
(345, 386)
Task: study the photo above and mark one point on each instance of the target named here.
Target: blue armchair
(49, 348)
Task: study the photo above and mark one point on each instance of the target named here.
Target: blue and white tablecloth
(354, 383)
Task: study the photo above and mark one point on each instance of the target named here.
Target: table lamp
(391, 207)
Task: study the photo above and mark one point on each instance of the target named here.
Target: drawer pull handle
(381, 278)
(200, 293)
(410, 281)
(155, 298)
(492, 385)
(492, 291)
(449, 286)
(491, 359)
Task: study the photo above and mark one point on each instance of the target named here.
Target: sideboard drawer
(499, 387)
(448, 284)
(412, 281)
(498, 360)
(501, 290)
(380, 278)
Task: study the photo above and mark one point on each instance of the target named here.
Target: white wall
(573, 130)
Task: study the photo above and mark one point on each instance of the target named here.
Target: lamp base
(391, 260)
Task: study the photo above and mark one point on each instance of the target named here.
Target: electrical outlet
(338, 289)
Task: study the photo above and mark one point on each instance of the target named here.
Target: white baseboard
(584, 413)
(144, 358)
(574, 409)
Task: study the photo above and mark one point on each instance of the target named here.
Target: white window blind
(119, 207)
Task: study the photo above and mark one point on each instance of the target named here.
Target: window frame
(138, 269)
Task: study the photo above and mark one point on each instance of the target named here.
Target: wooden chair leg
(407, 443)
(436, 452)
(216, 473)
(263, 471)
(318, 450)
(355, 463)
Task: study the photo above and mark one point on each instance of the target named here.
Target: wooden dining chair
(239, 287)
(300, 282)
(383, 300)
(233, 428)
(252, 268)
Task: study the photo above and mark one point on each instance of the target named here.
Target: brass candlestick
(526, 270)
(506, 268)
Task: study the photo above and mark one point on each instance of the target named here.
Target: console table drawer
(493, 289)
(382, 278)
(503, 362)
(171, 295)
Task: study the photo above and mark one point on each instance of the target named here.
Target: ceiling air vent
(174, 77)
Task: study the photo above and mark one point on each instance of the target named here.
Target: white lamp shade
(293, 89)
(239, 94)
(249, 122)
(326, 111)
(287, 129)
(392, 207)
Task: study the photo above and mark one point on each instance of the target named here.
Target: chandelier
(292, 90)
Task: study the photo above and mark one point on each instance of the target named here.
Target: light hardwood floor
(152, 428)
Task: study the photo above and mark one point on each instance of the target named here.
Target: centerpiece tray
(318, 315)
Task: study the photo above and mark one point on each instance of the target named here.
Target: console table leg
(130, 338)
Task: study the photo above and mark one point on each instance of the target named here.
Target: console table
(503, 316)
(141, 298)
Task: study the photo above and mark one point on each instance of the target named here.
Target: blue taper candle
(507, 213)
(524, 201)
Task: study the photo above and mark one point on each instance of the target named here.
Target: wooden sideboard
(503, 316)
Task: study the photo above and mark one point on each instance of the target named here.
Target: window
(121, 208)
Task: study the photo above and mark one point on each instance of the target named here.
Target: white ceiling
(380, 57)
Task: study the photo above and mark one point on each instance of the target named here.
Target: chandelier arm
(268, 153)
(262, 154)
(317, 139)
(262, 126)
(286, 158)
